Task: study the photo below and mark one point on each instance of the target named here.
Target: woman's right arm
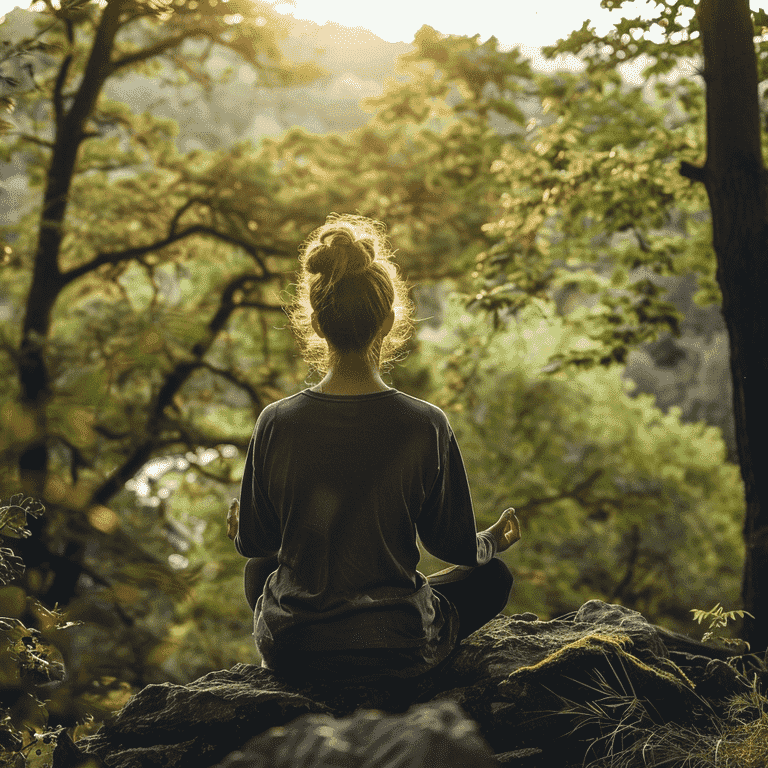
(258, 531)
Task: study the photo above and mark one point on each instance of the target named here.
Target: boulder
(518, 692)
(434, 734)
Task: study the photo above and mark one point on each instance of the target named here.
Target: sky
(527, 22)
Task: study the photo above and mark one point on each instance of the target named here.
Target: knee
(258, 569)
(256, 573)
(502, 575)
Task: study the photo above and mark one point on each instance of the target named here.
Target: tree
(107, 56)
(113, 354)
(734, 178)
(619, 501)
(597, 198)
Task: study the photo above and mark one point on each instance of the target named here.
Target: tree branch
(61, 79)
(577, 493)
(174, 381)
(262, 305)
(237, 381)
(181, 211)
(200, 78)
(693, 172)
(35, 140)
(158, 48)
(97, 70)
(142, 250)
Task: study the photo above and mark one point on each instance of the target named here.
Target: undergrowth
(632, 734)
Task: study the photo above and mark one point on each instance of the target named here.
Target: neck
(351, 374)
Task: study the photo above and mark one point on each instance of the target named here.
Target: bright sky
(530, 22)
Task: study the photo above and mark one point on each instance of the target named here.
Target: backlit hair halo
(347, 276)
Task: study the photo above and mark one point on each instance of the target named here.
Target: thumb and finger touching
(507, 529)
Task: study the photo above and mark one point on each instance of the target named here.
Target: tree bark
(737, 188)
(47, 280)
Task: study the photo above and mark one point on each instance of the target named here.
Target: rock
(438, 734)
(542, 693)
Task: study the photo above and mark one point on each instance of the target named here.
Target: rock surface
(541, 693)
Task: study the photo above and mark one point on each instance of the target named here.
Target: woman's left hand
(506, 530)
(233, 519)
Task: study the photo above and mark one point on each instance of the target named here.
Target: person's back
(340, 477)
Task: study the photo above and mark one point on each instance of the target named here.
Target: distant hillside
(357, 62)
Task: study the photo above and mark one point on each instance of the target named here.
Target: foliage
(617, 499)
(631, 734)
(596, 184)
(594, 205)
(30, 661)
(717, 619)
(153, 338)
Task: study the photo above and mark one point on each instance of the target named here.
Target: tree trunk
(47, 282)
(736, 184)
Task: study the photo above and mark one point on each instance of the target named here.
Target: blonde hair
(347, 276)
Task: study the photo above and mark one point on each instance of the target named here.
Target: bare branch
(641, 241)
(194, 466)
(262, 305)
(577, 493)
(35, 140)
(137, 252)
(693, 172)
(237, 381)
(181, 211)
(109, 433)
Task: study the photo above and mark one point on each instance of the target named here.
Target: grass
(632, 735)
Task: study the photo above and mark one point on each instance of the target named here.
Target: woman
(341, 476)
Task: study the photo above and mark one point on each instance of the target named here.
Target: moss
(616, 643)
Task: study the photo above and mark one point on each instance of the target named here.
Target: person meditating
(339, 479)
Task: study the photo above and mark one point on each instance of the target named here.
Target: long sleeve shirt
(338, 486)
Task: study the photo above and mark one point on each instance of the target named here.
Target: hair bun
(338, 254)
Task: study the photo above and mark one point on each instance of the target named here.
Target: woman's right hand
(506, 530)
(233, 519)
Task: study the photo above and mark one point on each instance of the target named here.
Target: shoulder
(423, 410)
(421, 406)
(277, 410)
